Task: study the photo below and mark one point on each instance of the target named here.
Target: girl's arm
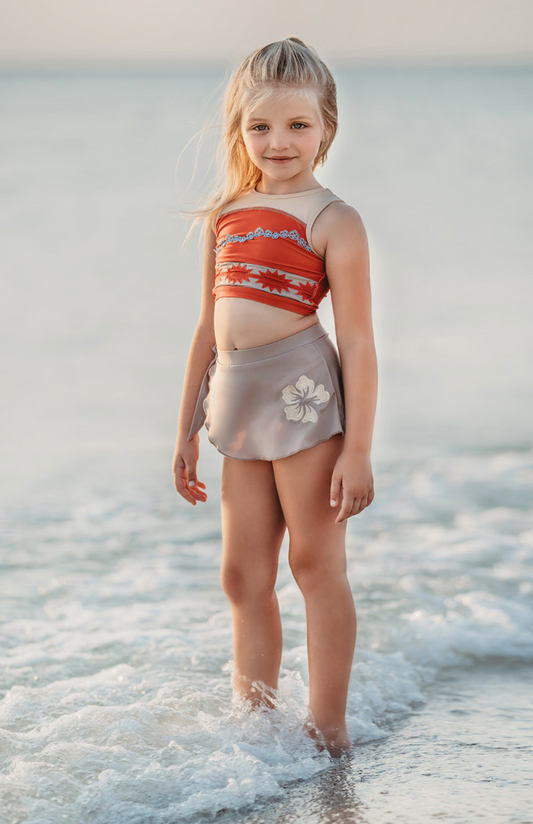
(200, 355)
(347, 267)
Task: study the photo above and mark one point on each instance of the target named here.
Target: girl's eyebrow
(251, 118)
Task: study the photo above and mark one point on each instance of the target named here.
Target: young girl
(295, 431)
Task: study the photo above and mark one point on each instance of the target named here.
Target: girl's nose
(279, 141)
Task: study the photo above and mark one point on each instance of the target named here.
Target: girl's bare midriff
(243, 324)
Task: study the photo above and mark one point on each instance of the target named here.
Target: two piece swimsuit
(268, 402)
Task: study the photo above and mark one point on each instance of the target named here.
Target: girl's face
(282, 135)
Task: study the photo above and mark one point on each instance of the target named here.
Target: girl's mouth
(280, 159)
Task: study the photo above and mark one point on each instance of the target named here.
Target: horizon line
(61, 63)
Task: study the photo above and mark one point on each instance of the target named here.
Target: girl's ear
(326, 134)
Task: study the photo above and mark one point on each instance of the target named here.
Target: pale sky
(359, 31)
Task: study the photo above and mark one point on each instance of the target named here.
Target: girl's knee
(315, 565)
(242, 584)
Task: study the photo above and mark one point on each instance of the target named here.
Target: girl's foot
(334, 739)
(256, 694)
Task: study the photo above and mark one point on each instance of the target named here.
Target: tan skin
(315, 491)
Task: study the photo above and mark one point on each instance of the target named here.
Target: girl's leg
(318, 561)
(252, 531)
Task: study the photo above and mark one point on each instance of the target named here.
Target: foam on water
(116, 696)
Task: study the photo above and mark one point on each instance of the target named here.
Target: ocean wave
(116, 691)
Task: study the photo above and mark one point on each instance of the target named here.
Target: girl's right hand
(184, 469)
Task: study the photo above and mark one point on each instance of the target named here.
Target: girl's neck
(269, 186)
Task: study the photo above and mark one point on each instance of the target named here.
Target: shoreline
(462, 756)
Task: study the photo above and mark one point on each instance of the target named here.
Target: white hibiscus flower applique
(303, 398)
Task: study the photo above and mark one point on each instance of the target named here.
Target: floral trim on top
(293, 235)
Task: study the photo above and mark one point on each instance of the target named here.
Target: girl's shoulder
(339, 211)
(340, 225)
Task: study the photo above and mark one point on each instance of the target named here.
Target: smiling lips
(281, 159)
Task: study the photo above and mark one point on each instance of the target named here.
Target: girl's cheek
(255, 146)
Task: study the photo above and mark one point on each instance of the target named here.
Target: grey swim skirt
(271, 401)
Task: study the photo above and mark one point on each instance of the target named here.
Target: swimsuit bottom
(269, 402)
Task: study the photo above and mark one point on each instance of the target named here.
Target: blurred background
(99, 299)
(115, 695)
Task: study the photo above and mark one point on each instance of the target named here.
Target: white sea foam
(117, 639)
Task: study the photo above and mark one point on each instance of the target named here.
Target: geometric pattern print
(286, 284)
(259, 232)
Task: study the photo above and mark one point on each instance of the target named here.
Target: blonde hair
(285, 66)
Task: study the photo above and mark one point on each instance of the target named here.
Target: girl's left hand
(352, 484)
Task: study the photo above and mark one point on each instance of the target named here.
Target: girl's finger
(191, 499)
(193, 485)
(356, 508)
(184, 492)
(335, 490)
(191, 494)
(346, 509)
(192, 480)
(362, 505)
(182, 486)
(196, 491)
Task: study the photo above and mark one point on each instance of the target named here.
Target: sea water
(115, 681)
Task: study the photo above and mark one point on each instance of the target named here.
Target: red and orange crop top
(264, 252)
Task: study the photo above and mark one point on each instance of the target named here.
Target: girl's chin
(280, 172)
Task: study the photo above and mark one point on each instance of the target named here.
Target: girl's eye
(260, 127)
(299, 126)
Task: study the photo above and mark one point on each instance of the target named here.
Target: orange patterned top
(263, 250)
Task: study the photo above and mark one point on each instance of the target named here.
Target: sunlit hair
(283, 67)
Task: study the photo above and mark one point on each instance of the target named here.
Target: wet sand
(467, 755)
